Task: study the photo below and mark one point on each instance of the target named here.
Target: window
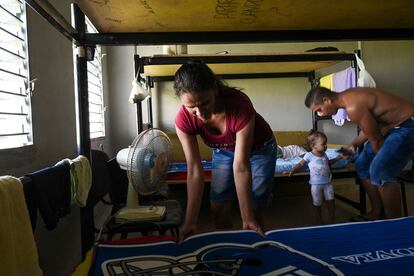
(15, 106)
(95, 91)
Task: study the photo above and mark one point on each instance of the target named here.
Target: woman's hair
(196, 76)
(312, 137)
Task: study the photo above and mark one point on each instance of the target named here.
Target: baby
(320, 174)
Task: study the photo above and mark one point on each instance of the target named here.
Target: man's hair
(312, 137)
(316, 95)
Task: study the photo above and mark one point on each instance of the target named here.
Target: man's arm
(359, 140)
(370, 128)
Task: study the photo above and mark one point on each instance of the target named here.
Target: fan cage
(148, 159)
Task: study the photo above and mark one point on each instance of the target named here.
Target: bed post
(149, 102)
(362, 198)
(137, 71)
(313, 84)
(83, 132)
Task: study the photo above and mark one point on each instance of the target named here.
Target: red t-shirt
(239, 111)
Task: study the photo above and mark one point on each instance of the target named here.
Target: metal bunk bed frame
(141, 62)
(85, 44)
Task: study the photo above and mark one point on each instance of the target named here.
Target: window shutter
(15, 105)
(95, 91)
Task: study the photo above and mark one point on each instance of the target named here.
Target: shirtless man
(387, 122)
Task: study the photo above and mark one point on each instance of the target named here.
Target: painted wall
(122, 114)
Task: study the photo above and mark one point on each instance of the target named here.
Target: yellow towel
(327, 81)
(83, 268)
(18, 252)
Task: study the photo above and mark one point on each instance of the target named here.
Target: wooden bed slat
(246, 15)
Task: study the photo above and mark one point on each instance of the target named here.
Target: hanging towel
(80, 179)
(364, 78)
(18, 252)
(52, 192)
(83, 176)
(343, 80)
(327, 81)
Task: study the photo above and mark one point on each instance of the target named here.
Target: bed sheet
(365, 248)
(282, 165)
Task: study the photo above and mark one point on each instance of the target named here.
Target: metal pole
(137, 66)
(83, 132)
(362, 198)
(169, 38)
(312, 82)
(149, 106)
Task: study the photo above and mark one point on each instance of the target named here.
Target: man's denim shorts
(395, 153)
(262, 162)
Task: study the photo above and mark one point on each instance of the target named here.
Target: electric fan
(146, 162)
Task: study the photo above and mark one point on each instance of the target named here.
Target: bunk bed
(160, 22)
(242, 66)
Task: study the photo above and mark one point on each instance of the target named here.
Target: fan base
(141, 213)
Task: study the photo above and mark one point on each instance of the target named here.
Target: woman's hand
(253, 225)
(185, 230)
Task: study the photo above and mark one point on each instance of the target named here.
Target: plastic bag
(364, 78)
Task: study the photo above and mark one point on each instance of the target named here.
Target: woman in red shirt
(244, 148)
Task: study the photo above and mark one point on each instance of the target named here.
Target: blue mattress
(365, 248)
(282, 165)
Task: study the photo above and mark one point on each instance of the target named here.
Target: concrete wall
(53, 103)
(122, 114)
(54, 133)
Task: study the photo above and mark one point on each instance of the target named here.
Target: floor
(292, 207)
